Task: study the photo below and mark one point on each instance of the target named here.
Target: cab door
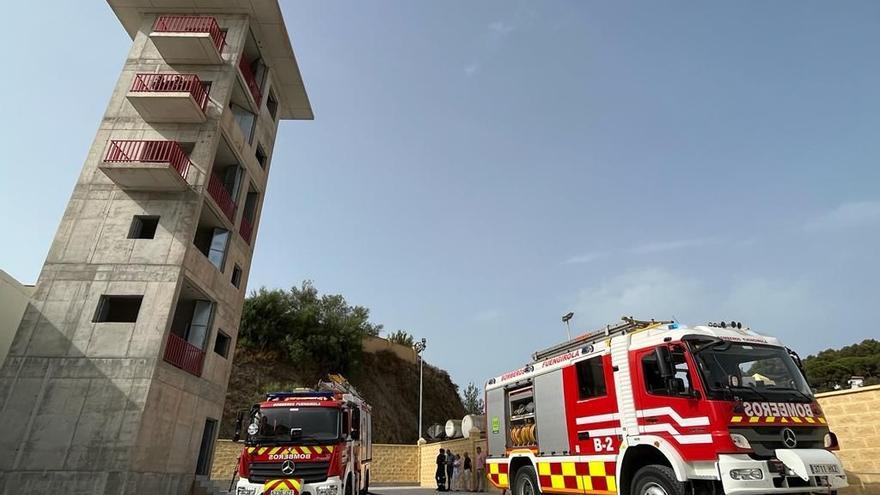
(593, 422)
(672, 407)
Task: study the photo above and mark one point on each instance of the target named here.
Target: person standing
(481, 471)
(456, 473)
(450, 467)
(466, 473)
(440, 474)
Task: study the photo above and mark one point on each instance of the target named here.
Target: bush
(322, 332)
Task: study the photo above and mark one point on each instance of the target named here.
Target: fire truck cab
(307, 441)
(659, 408)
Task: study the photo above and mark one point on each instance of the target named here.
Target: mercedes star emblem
(287, 467)
(789, 439)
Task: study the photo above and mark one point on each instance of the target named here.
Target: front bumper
(791, 480)
(333, 486)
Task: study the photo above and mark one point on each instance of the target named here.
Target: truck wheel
(657, 480)
(526, 482)
(349, 488)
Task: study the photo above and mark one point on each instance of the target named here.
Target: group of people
(456, 472)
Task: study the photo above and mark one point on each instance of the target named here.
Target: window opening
(143, 227)
(272, 105)
(236, 276)
(221, 344)
(261, 156)
(118, 309)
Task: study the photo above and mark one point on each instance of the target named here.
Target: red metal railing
(172, 83)
(246, 229)
(122, 151)
(191, 24)
(184, 355)
(221, 196)
(245, 67)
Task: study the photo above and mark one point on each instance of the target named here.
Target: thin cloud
(848, 215)
(583, 258)
(664, 246)
(472, 69)
(487, 315)
(501, 28)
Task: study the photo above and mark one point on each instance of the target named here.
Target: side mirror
(664, 361)
(236, 435)
(355, 435)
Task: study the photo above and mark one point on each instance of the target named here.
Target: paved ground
(403, 490)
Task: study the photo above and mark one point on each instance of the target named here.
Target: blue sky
(477, 169)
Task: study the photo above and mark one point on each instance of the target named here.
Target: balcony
(187, 39)
(246, 229)
(146, 165)
(221, 196)
(250, 79)
(169, 97)
(184, 355)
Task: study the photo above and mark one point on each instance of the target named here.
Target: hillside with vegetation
(292, 338)
(832, 368)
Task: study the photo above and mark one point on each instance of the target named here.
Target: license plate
(824, 469)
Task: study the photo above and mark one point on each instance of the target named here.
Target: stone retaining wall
(854, 416)
(394, 465)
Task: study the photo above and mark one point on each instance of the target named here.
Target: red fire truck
(309, 441)
(659, 408)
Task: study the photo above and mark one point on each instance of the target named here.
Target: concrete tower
(116, 377)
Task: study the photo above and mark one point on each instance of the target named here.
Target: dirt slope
(390, 385)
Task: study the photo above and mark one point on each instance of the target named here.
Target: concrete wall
(14, 299)
(854, 415)
(378, 344)
(90, 407)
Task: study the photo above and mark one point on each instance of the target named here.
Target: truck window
(654, 382)
(591, 378)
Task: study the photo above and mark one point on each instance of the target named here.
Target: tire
(526, 482)
(656, 480)
(349, 486)
(366, 489)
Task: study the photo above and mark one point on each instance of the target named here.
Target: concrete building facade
(14, 297)
(117, 374)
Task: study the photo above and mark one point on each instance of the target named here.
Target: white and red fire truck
(659, 408)
(307, 441)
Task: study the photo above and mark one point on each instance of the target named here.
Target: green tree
(471, 399)
(833, 367)
(322, 332)
(401, 337)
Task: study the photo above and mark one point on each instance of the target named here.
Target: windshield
(751, 371)
(302, 425)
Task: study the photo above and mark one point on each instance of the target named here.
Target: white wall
(13, 301)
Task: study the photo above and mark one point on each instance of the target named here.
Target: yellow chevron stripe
(318, 449)
(305, 450)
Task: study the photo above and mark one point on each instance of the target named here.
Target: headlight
(746, 474)
(327, 490)
(830, 440)
(740, 441)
